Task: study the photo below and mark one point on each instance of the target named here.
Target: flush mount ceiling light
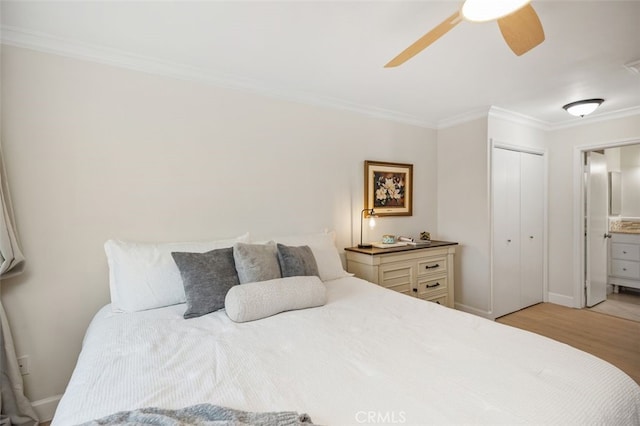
(582, 108)
(483, 10)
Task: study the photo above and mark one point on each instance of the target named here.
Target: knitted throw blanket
(202, 415)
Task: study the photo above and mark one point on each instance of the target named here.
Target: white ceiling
(333, 53)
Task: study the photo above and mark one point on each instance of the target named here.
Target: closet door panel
(532, 228)
(506, 231)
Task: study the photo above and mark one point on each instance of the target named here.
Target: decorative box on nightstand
(423, 272)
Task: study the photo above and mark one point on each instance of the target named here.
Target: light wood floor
(625, 304)
(613, 339)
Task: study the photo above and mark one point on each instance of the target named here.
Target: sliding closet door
(506, 231)
(531, 228)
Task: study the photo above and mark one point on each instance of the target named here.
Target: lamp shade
(372, 223)
(582, 108)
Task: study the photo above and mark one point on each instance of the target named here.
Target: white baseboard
(46, 408)
(474, 311)
(561, 299)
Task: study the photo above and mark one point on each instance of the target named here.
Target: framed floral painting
(388, 188)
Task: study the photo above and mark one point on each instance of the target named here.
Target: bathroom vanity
(624, 258)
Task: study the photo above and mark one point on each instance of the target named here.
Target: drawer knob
(437, 265)
(624, 269)
(433, 285)
(624, 252)
(415, 290)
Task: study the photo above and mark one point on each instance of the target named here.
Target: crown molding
(517, 118)
(463, 118)
(633, 66)
(590, 119)
(522, 119)
(46, 43)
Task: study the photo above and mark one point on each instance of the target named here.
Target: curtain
(15, 408)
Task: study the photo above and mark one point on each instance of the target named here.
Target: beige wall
(563, 146)
(463, 210)
(464, 197)
(96, 152)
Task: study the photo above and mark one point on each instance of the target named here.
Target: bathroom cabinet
(624, 260)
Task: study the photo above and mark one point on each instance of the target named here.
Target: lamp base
(365, 245)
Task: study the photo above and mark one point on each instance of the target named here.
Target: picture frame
(388, 188)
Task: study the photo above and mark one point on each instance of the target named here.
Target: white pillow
(144, 275)
(252, 301)
(324, 250)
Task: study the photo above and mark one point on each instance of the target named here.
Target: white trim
(18, 37)
(634, 66)
(578, 228)
(463, 118)
(590, 119)
(561, 299)
(474, 311)
(578, 213)
(46, 408)
(490, 208)
(517, 118)
(518, 148)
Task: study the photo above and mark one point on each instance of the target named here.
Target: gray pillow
(256, 262)
(207, 277)
(297, 261)
(260, 300)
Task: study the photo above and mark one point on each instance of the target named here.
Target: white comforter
(369, 355)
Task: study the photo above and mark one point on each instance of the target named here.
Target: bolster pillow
(252, 301)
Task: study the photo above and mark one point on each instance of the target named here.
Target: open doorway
(610, 220)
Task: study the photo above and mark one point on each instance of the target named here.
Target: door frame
(579, 297)
(545, 255)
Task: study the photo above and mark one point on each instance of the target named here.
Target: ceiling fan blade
(425, 40)
(522, 30)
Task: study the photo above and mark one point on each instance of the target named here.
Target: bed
(368, 355)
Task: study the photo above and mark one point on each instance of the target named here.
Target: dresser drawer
(431, 287)
(440, 300)
(625, 238)
(625, 269)
(432, 266)
(397, 276)
(625, 251)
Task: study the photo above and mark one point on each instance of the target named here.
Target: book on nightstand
(420, 243)
(412, 242)
(389, 245)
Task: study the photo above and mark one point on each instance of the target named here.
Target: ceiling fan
(518, 22)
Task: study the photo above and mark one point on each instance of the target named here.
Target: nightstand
(423, 272)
